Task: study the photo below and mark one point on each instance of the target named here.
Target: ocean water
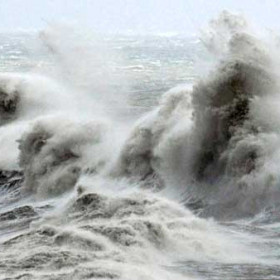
(140, 157)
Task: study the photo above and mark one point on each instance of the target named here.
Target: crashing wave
(55, 151)
(8, 105)
(139, 158)
(211, 140)
(206, 143)
(214, 147)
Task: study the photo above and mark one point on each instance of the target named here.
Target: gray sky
(140, 16)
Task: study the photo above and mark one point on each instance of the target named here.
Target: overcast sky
(139, 16)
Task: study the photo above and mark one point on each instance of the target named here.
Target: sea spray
(100, 198)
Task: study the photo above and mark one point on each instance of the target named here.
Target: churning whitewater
(91, 188)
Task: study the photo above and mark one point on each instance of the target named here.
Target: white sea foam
(110, 200)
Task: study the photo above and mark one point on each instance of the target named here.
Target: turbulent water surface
(140, 157)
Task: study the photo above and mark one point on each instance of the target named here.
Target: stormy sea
(137, 157)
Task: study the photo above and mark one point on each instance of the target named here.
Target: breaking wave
(94, 197)
(216, 142)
